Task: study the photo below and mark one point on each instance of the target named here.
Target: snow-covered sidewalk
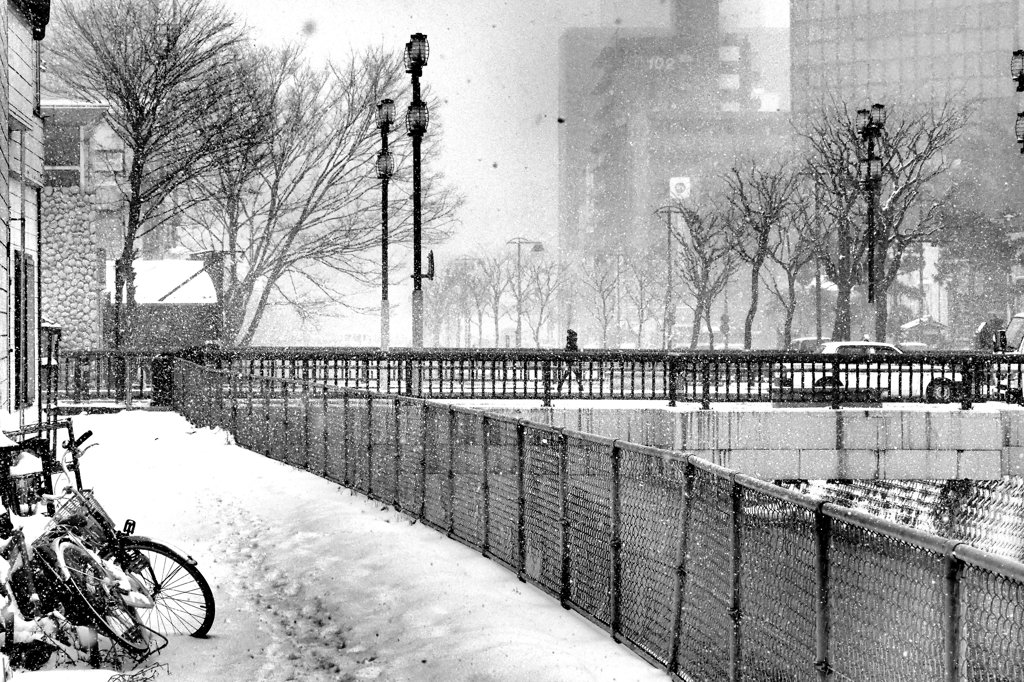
(314, 582)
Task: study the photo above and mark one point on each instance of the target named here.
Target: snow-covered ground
(314, 582)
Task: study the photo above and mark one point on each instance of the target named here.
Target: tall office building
(652, 111)
(919, 53)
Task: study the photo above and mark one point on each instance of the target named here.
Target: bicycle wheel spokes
(184, 600)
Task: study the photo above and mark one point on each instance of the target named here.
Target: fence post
(398, 455)
(564, 594)
(369, 447)
(968, 383)
(951, 614)
(521, 508)
(823, 615)
(671, 368)
(305, 410)
(681, 550)
(835, 383)
(233, 388)
(326, 434)
(486, 485)
(423, 459)
(616, 541)
(546, 364)
(268, 389)
(736, 608)
(286, 398)
(344, 441)
(705, 393)
(451, 469)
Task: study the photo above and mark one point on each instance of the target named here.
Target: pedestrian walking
(572, 366)
(984, 336)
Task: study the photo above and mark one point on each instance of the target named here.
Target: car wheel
(940, 391)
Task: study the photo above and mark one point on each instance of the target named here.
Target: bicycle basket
(81, 513)
(25, 493)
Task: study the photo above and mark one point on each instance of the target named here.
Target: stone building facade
(73, 283)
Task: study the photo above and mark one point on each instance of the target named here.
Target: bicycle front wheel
(94, 592)
(184, 600)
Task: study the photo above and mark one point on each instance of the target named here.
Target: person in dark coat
(571, 364)
(987, 330)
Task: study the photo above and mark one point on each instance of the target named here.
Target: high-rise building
(649, 111)
(920, 53)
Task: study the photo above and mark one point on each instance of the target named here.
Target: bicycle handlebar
(81, 439)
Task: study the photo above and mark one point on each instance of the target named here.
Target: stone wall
(933, 442)
(72, 266)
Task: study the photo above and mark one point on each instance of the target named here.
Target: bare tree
(760, 197)
(600, 278)
(911, 149)
(542, 285)
(444, 302)
(644, 288)
(496, 280)
(798, 238)
(708, 262)
(164, 68)
(300, 210)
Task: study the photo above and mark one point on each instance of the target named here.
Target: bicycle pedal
(129, 527)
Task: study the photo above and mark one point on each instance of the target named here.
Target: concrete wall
(986, 442)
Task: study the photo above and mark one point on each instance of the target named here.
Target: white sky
(495, 65)
(315, 583)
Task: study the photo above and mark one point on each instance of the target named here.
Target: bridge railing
(703, 377)
(707, 573)
(678, 376)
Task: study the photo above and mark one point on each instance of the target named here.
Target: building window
(24, 330)
(62, 155)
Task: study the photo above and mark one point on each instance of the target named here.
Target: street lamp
(416, 120)
(537, 247)
(670, 312)
(870, 124)
(385, 169)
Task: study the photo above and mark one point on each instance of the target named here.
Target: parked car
(808, 344)
(878, 370)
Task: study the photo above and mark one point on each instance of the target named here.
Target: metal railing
(703, 377)
(91, 375)
(707, 573)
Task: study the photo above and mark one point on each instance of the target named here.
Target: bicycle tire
(184, 599)
(89, 586)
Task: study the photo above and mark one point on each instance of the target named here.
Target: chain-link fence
(707, 573)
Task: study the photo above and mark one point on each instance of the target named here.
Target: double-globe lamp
(870, 123)
(385, 169)
(416, 120)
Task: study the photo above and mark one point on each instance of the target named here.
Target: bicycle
(183, 600)
(57, 573)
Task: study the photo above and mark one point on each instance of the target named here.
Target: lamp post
(870, 123)
(537, 248)
(670, 312)
(416, 119)
(385, 169)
